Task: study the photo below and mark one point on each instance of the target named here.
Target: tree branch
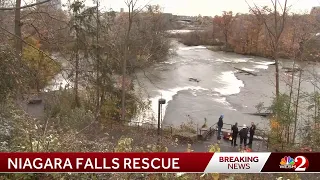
(46, 13)
(23, 7)
(27, 43)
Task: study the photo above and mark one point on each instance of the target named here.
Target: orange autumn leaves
(42, 67)
(247, 33)
(274, 123)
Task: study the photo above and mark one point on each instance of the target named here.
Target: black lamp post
(160, 102)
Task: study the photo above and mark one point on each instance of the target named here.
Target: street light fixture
(160, 103)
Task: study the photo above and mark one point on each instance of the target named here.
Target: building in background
(53, 3)
(315, 11)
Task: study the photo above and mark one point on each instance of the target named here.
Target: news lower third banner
(160, 162)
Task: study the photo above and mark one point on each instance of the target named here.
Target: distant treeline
(248, 34)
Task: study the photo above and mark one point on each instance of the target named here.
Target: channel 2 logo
(299, 163)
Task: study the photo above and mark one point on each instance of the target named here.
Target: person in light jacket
(243, 135)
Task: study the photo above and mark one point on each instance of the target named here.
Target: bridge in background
(185, 18)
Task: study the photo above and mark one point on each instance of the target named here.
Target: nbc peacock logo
(287, 162)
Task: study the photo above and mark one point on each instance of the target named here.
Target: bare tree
(23, 7)
(17, 29)
(274, 29)
(303, 33)
(18, 24)
(131, 4)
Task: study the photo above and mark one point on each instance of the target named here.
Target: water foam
(192, 48)
(261, 66)
(263, 62)
(231, 83)
(247, 69)
(169, 62)
(223, 60)
(179, 31)
(168, 96)
(241, 60)
(58, 82)
(223, 100)
(181, 61)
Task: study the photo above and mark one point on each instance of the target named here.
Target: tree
(224, 22)
(98, 63)
(18, 24)
(17, 29)
(49, 25)
(284, 118)
(274, 29)
(131, 4)
(18, 39)
(77, 7)
(13, 77)
(42, 67)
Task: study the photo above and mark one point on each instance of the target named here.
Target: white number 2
(303, 162)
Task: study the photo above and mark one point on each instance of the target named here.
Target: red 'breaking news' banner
(159, 162)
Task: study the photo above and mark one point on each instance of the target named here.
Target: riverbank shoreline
(222, 48)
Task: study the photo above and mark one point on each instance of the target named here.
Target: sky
(207, 7)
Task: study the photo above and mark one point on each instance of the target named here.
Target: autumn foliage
(247, 34)
(42, 67)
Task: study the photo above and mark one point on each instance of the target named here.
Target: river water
(221, 89)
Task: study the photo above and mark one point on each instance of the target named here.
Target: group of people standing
(243, 133)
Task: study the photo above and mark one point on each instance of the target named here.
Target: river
(221, 89)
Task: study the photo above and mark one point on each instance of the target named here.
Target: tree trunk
(38, 72)
(17, 30)
(226, 39)
(124, 61)
(316, 104)
(276, 43)
(290, 96)
(257, 41)
(315, 99)
(296, 112)
(76, 79)
(98, 67)
(18, 41)
(277, 74)
(123, 95)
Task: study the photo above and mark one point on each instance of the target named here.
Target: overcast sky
(207, 7)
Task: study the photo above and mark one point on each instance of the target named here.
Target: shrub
(189, 126)
(196, 38)
(14, 74)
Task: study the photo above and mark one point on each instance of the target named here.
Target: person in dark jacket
(243, 135)
(251, 131)
(220, 125)
(235, 132)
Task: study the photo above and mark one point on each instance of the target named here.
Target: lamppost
(160, 103)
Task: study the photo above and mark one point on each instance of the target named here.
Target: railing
(206, 133)
(151, 126)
